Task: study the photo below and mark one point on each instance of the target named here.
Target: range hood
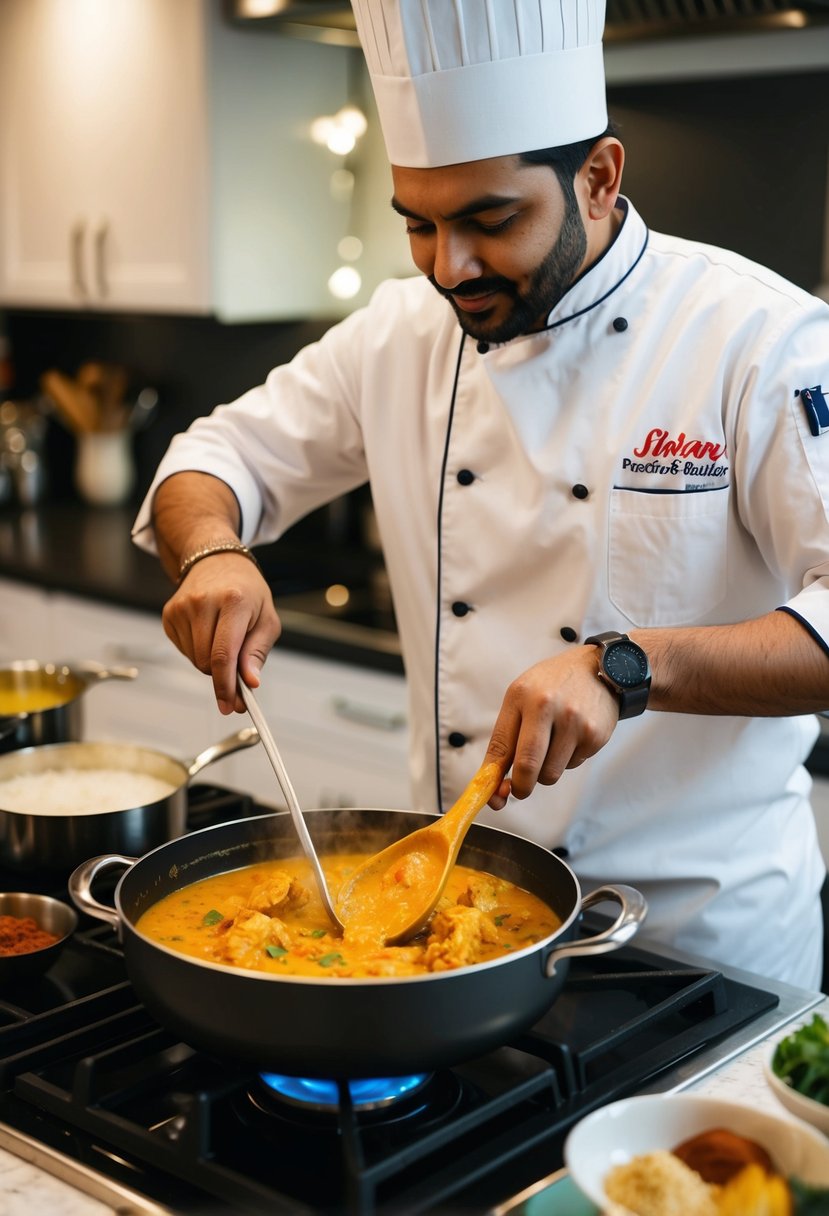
(627, 20)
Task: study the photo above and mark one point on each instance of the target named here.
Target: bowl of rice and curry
(694, 1155)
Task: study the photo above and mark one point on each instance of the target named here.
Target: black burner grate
(202, 1120)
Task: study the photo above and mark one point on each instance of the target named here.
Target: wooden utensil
(107, 383)
(75, 403)
(393, 894)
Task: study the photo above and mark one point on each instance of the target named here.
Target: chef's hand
(553, 717)
(222, 617)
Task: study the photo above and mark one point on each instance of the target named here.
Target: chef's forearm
(190, 511)
(767, 667)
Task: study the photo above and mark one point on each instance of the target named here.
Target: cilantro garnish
(802, 1059)
(328, 960)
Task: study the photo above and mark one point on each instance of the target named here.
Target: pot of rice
(65, 802)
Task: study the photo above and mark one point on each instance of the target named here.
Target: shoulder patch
(816, 409)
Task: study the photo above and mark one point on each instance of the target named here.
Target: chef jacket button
(580, 491)
(456, 739)
(466, 477)
(483, 348)
(460, 608)
(568, 633)
(620, 325)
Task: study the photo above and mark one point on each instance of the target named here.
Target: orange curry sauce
(269, 918)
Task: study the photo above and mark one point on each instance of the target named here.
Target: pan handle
(96, 673)
(634, 909)
(234, 743)
(80, 885)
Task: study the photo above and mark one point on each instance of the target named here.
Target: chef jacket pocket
(667, 562)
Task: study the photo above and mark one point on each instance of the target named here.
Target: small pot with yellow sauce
(43, 702)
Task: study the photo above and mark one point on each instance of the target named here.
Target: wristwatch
(624, 667)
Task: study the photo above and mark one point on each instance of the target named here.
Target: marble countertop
(742, 1080)
(28, 1190)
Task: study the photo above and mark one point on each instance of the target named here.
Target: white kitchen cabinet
(25, 623)
(153, 158)
(103, 186)
(341, 729)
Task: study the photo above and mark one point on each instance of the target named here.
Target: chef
(599, 458)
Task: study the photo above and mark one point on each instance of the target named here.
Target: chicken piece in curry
(269, 917)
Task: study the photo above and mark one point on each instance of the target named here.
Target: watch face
(624, 662)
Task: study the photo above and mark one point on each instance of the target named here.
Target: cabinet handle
(76, 236)
(101, 234)
(368, 715)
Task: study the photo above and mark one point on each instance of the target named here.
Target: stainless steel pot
(58, 843)
(62, 723)
(348, 1027)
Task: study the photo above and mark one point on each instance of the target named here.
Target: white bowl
(616, 1133)
(808, 1109)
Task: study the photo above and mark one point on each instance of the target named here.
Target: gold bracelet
(229, 546)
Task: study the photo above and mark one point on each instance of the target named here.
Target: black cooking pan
(347, 1027)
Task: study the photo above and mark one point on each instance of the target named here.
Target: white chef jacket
(648, 459)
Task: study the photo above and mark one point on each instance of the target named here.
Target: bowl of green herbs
(797, 1069)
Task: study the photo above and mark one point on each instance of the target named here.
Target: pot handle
(80, 885)
(9, 725)
(634, 909)
(246, 737)
(95, 673)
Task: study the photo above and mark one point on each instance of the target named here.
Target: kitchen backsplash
(194, 363)
(742, 163)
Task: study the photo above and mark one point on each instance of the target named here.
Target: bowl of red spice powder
(33, 931)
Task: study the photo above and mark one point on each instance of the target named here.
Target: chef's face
(498, 238)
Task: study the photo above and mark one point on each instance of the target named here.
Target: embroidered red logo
(659, 443)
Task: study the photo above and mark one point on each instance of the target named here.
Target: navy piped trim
(696, 490)
(444, 463)
(623, 207)
(607, 294)
(810, 629)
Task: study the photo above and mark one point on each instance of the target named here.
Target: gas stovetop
(151, 1124)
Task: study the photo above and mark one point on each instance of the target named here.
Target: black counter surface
(88, 552)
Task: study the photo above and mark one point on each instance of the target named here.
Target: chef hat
(463, 80)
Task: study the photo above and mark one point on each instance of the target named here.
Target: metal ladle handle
(272, 752)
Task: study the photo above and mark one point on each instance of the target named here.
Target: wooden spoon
(75, 404)
(392, 895)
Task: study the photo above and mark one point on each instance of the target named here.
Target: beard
(530, 308)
